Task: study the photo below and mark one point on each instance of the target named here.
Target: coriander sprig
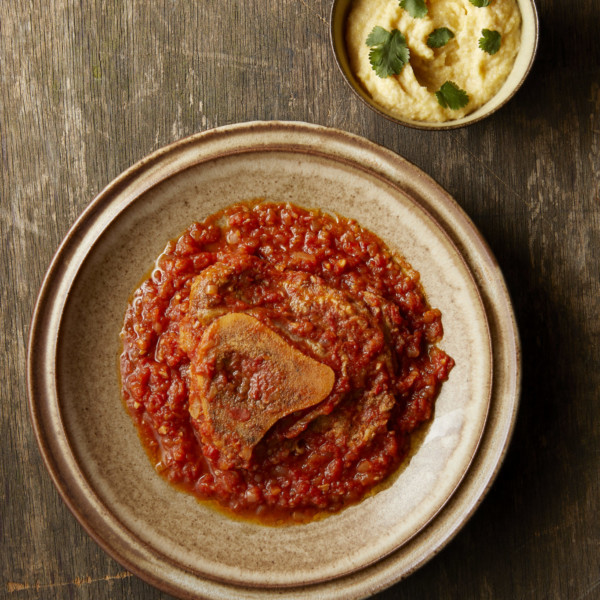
(490, 41)
(389, 52)
(415, 8)
(451, 96)
(439, 37)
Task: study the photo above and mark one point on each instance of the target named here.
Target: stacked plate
(91, 447)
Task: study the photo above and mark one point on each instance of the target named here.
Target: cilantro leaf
(451, 96)
(480, 3)
(378, 36)
(389, 52)
(439, 37)
(415, 8)
(490, 41)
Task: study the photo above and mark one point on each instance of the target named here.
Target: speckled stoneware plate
(91, 447)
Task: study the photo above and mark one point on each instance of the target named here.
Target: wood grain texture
(88, 88)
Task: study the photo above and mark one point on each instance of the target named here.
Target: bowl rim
(340, 55)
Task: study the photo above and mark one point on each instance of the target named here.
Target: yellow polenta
(411, 94)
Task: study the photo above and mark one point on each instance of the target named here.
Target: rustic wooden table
(88, 88)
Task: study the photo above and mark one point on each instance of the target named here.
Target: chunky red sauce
(331, 290)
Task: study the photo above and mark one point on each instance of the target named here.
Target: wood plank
(88, 88)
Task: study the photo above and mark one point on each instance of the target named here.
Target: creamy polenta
(411, 94)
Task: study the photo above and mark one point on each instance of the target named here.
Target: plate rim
(39, 335)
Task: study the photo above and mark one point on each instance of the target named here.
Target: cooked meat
(245, 378)
(315, 318)
(278, 360)
(213, 293)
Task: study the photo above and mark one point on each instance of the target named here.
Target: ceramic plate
(91, 447)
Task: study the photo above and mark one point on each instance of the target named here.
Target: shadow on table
(528, 536)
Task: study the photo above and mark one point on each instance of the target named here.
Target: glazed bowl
(91, 447)
(521, 68)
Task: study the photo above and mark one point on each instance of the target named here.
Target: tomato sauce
(335, 292)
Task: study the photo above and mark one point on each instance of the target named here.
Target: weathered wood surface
(88, 88)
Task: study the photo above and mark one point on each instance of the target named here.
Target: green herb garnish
(439, 37)
(451, 96)
(490, 41)
(415, 8)
(389, 52)
(480, 3)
